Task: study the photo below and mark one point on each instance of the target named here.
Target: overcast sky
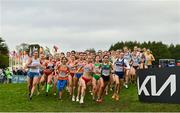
(82, 24)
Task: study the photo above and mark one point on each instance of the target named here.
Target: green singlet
(96, 69)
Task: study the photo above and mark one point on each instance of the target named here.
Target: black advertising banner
(159, 85)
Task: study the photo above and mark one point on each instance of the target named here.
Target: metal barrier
(19, 78)
(1, 78)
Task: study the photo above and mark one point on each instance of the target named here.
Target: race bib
(119, 68)
(86, 69)
(96, 70)
(105, 72)
(62, 73)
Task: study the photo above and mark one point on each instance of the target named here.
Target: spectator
(1, 76)
(14, 71)
(8, 75)
(20, 72)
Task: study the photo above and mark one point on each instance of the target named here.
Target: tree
(91, 50)
(4, 61)
(4, 58)
(175, 51)
(22, 47)
(3, 47)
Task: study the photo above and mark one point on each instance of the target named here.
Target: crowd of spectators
(6, 74)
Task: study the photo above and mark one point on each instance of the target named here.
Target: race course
(13, 98)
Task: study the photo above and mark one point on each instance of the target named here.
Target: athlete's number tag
(86, 69)
(106, 72)
(96, 70)
(119, 68)
(62, 74)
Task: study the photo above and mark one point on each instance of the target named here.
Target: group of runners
(79, 72)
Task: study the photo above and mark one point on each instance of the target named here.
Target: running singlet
(34, 63)
(50, 66)
(97, 69)
(80, 66)
(88, 68)
(63, 71)
(136, 60)
(127, 56)
(119, 65)
(72, 68)
(105, 70)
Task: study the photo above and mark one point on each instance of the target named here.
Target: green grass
(13, 97)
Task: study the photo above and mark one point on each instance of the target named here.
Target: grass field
(13, 97)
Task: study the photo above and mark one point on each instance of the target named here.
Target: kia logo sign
(159, 85)
(171, 80)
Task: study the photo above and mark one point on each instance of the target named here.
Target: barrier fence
(19, 79)
(15, 79)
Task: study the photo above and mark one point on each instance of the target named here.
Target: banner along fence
(159, 85)
(19, 79)
(15, 79)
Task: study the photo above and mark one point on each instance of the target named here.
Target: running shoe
(77, 99)
(73, 98)
(125, 85)
(114, 96)
(99, 100)
(81, 101)
(117, 97)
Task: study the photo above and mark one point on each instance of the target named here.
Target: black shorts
(135, 67)
(41, 72)
(120, 74)
(105, 78)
